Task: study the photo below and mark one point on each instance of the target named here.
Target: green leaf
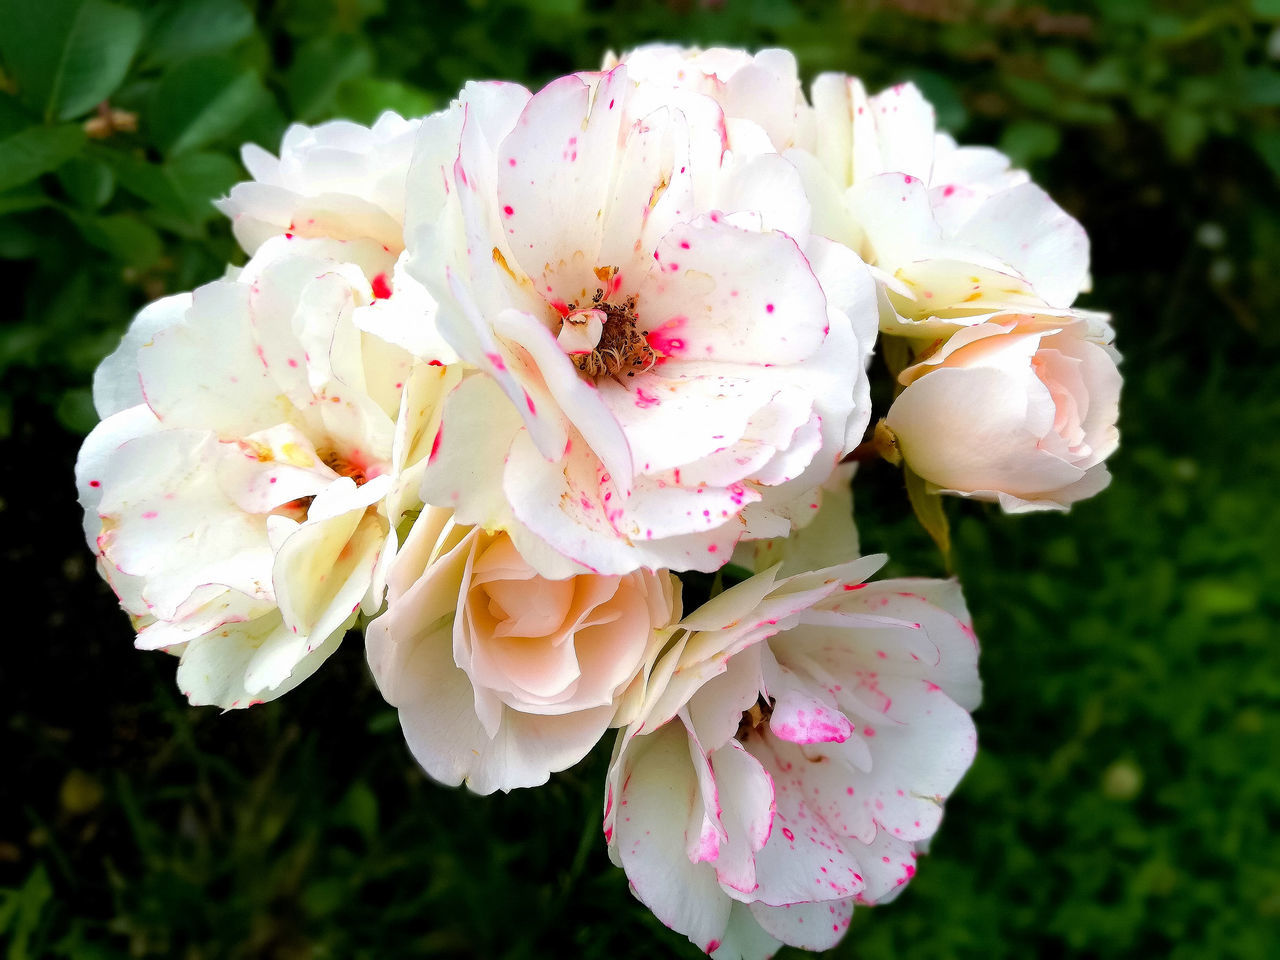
(145, 180)
(88, 182)
(1262, 87)
(126, 238)
(1026, 141)
(200, 178)
(928, 510)
(194, 28)
(13, 116)
(1184, 131)
(360, 810)
(182, 188)
(364, 99)
(199, 101)
(18, 241)
(67, 55)
(1267, 143)
(21, 910)
(1266, 9)
(319, 69)
(27, 197)
(75, 411)
(29, 153)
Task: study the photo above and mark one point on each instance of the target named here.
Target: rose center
(754, 718)
(604, 340)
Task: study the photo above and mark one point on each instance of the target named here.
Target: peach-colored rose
(1020, 410)
(503, 677)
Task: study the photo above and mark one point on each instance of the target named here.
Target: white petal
(115, 382)
(240, 664)
(658, 792)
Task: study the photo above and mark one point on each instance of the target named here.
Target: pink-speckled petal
(746, 793)
(809, 926)
(115, 383)
(166, 518)
(324, 568)
(659, 787)
(464, 468)
(806, 858)
(719, 292)
(744, 938)
(564, 145)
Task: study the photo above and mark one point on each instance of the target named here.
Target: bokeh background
(1126, 799)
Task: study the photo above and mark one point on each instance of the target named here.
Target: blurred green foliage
(1126, 800)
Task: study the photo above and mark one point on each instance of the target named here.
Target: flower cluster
(493, 380)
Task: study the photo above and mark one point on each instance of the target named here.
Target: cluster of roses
(495, 376)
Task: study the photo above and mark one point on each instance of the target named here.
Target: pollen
(622, 351)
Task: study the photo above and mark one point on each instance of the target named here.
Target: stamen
(754, 718)
(621, 350)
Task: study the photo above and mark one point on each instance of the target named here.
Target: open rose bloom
(792, 748)
(556, 395)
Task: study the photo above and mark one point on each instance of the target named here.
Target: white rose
(256, 455)
(1020, 410)
(789, 752)
(338, 179)
(728, 379)
(503, 677)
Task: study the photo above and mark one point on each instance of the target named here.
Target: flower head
(1020, 409)
(339, 179)
(789, 752)
(665, 364)
(503, 677)
(256, 454)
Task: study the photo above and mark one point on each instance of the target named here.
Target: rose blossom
(761, 88)
(256, 452)
(502, 677)
(338, 179)
(789, 752)
(953, 231)
(943, 224)
(1020, 409)
(344, 181)
(666, 363)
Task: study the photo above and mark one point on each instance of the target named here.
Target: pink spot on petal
(381, 288)
(644, 401)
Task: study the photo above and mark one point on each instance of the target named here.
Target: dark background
(1126, 799)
